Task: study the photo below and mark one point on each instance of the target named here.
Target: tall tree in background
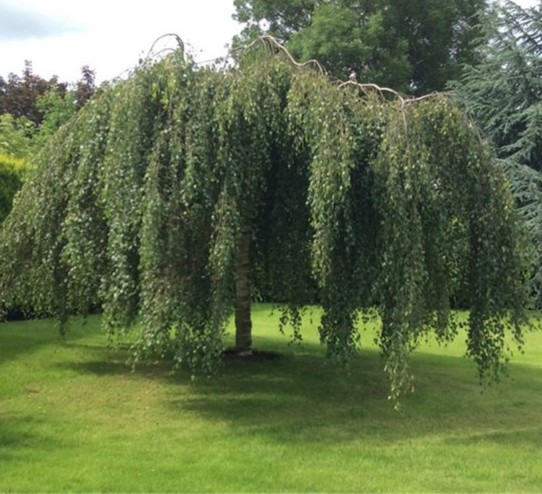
(415, 47)
(504, 95)
(19, 94)
(26, 95)
(85, 87)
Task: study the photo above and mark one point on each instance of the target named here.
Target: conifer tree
(504, 95)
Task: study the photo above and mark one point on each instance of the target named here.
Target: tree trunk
(243, 323)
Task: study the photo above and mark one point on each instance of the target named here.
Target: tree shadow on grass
(309, 402)
(19, 433)
(302, 398)
(528, 437)
(19, 337)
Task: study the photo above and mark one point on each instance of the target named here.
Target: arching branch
(273, 43)
(177, 38)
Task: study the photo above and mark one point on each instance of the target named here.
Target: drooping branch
(190, 184)
(365, 87)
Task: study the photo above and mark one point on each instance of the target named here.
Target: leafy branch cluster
(140, 205)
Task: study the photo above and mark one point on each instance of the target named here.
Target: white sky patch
(111, 36)
(18, 23)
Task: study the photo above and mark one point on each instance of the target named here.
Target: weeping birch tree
(174, 195)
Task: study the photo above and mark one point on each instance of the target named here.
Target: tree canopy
(414, 47)
(33, 108)
(173, 193)
(20, 95)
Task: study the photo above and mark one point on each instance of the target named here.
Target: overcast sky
(60, 36)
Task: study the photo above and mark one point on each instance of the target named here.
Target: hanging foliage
(178, 194)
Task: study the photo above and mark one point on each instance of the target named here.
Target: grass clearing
(74, 418)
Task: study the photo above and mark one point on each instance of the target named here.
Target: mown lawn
(73, 418)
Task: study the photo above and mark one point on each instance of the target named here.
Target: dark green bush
(12, 170)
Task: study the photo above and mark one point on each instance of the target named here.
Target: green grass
(74, 418)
